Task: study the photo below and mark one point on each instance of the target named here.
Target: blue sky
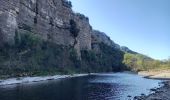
(141, 25)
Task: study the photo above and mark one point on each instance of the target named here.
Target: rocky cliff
(50, 19)
(62, 31)
(101, 37)
(127, 50)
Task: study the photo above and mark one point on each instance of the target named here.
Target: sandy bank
(165, 74)
(20, 80)
(162, 93)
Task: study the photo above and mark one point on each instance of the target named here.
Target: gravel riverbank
(162, 93)
(20, 80)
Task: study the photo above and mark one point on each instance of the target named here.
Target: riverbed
(106, 86)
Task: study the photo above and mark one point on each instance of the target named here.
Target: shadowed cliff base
(30, 55)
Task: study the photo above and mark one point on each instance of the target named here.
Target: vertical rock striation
(47, 18)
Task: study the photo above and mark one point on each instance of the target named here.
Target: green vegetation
(165, 65)
(138, 62)
(81, 16)
(74, 31)
(73, 28)
(30, 56)
(74, 58)
(107, 60)
(67, 3)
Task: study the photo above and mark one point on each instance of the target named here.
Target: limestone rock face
(8, 19)
(47, 18)
(126, 49)
(100, 37)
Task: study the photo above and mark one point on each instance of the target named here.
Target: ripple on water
(113, 86)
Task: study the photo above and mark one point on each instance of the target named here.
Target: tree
(17, 38)
(131, 61)
(169, 62)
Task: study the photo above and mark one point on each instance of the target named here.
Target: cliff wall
(50, 19)
(46, 36)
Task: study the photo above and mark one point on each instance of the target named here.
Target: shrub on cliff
(88, 55)
(31, 55)
(74, 58)
(67, 3)
(27, 40)
(107, 60)
(73, 28)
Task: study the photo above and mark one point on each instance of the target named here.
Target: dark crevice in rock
(51, 21)
(36, 12)
(21, 3)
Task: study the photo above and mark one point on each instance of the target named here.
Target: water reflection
(95, 87)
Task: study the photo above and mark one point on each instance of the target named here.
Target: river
(109, 86)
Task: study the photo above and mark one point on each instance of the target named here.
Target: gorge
(47, 37)
(46, 43)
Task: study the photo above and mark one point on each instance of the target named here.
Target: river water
(110, 86)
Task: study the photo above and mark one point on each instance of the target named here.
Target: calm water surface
(111, 86)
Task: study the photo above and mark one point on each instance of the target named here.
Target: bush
(88, 55)
(30, 53)
(67, 3)
(74, 58)
(138, 62)
(81, 16)
(73, 28)
(107, 60)
(25, 41)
